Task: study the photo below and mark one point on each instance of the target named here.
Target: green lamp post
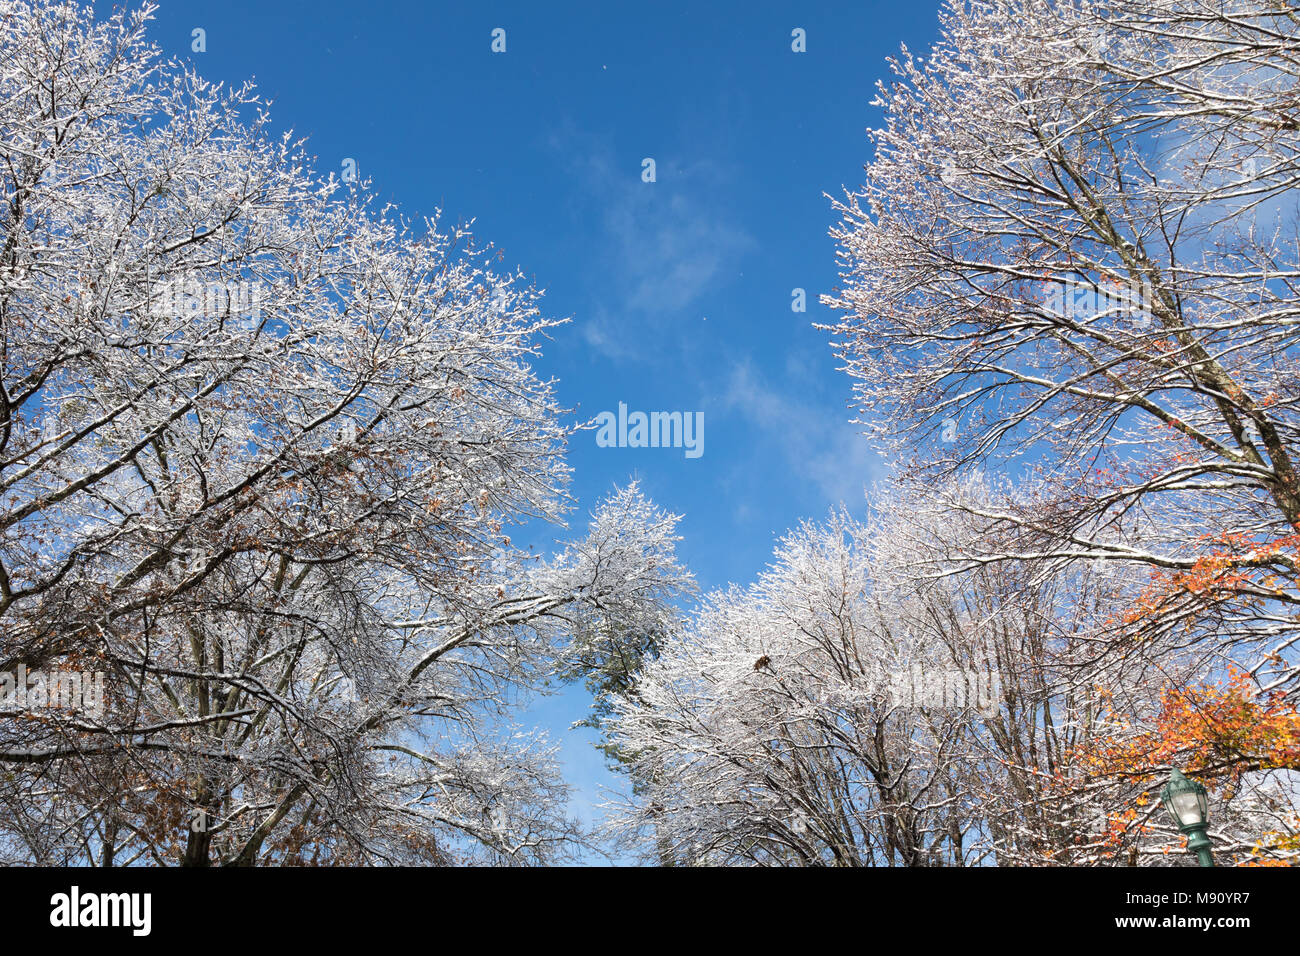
(1186, 803)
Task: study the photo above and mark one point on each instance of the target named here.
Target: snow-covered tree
(761, 733)
(1074, 257)
(611, 643)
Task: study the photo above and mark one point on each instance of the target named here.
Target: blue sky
(679, 290)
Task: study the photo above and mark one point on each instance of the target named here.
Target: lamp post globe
(1185, 800)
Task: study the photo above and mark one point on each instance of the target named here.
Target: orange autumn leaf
(1218, 731)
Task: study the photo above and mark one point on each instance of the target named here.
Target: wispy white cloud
(665, 244)
(823, 449)
(672, 248)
